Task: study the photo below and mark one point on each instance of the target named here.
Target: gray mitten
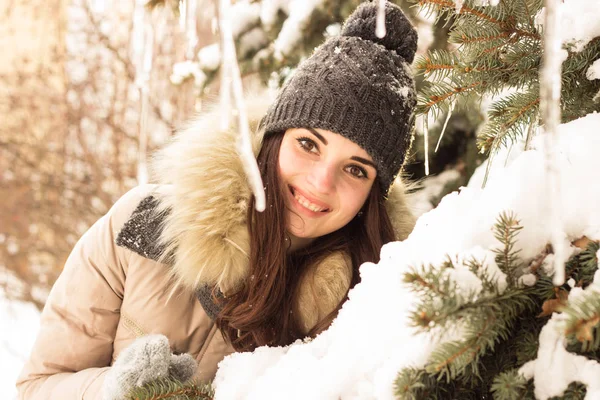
(146, 359)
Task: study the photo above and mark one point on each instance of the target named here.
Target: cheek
(289, 162)
(355, 201)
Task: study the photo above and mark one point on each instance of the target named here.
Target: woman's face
(327, 179)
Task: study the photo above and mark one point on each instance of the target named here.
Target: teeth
(307, 204)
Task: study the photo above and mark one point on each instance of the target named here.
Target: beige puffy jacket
(108, 295)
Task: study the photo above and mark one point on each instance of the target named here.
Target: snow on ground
(371, 340)
(19, 324)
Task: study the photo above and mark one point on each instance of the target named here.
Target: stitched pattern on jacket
(204, 295)
(142, 230)
(132, 326)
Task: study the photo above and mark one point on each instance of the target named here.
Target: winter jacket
(109, 294)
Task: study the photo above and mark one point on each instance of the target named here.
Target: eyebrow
(355, 158)
(318, 135)
(364, 161)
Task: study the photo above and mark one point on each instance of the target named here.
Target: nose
(322, 177)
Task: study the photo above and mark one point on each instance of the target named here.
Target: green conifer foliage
(500, 326)
(172, 390)
(499, 49)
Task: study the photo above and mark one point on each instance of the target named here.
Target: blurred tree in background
(71, 85)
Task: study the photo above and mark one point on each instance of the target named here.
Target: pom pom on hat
(400, 37)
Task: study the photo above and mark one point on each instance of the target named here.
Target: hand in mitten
(146, 359)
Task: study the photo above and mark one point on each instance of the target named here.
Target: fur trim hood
(206, 194)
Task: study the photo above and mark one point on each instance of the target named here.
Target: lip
(304, 210)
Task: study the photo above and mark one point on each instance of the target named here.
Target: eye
(357, 171)
(308, 145)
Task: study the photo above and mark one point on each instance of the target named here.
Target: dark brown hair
(260, 313)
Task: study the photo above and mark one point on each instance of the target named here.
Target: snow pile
(20, 323)
(292, 30)
(187, 69)
(578, 21)
(431, 190)
(567, 367)
(245, 15)
(593, 71)
(371, 340)
(209, 57)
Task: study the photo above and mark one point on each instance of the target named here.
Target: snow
(487, 2)
(333, 30)
(209, 57)
(244, 15)
(566, 367)
(528, 280)
(360, 355)
(270, 9)
(593, 71)
(252, 41)
(578, 20)
(431, 189)
(291, 32)
(20, 322)
(187, 69)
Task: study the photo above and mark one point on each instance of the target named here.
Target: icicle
(530, 132)
(426, 139)
(182, 14)
(143, 55)
(550, 108)
(190, 28)
(444, 127)
(380, 28)
(231, 79)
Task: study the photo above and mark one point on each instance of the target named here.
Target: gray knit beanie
(359, 86)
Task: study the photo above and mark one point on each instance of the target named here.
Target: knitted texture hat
(359, 86)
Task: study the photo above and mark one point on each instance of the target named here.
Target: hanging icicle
(380, 27)
(191, 33)
(550, 86)
(143, 45)
(437, 146)
(231, 83)
(426, 142)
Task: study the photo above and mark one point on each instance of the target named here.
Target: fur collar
(204, 229)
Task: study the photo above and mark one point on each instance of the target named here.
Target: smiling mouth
(304, 202)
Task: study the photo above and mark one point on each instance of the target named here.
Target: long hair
(260, 312)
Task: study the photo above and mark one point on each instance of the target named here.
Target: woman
(190, 258)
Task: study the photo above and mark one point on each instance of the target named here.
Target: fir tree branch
(583, 319)
(522, 111)
(509, 385)
(434, 100)
(464, 9)
(505, 231)
(428, 66)
(478, 39)
(162, 389)
(416, 278)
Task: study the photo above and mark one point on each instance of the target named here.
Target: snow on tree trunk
(231, 84)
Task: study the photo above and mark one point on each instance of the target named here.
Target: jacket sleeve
(74, 346)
